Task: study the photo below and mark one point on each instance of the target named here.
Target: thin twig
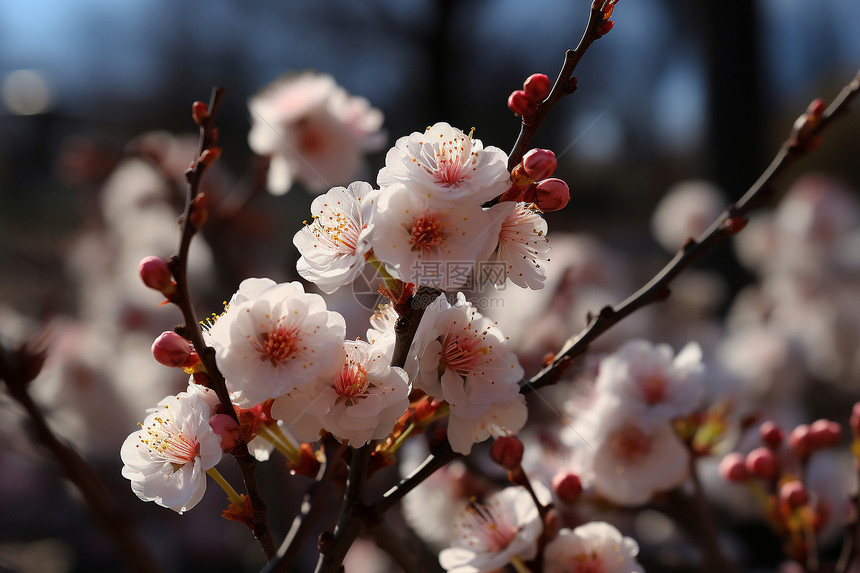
(732, 220)
(849, 543)
(110, 518)
(563, 84)
(178, 266)
(404, 546)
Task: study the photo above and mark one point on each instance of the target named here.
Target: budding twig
(803, 138)
(178, 266)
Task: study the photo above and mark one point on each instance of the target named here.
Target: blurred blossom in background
(95, 101)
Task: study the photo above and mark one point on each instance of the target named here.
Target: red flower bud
(519, 102)
(793, 494)
(733, 468)
(800, 440)
(507, 451)
(825, 433)
(567, 486)
(199, 111)
(226, 427)
(199, 210)
(171, 349)
(762, 463)
(771, 434)
(539, 164)
(155, 273)
(537, 87)
(551, 195)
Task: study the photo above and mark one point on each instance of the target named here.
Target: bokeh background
(677, 90)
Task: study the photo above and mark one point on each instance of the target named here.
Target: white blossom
(488, 535)
(333, 246)
(313, 131)
(445, 163)
(522, 244)
(167, 458)
(667, 386)
(594, 547)
(429, 242)
(274, 338)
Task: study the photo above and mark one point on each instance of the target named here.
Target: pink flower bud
(519, 102)
(155, 273)
(551, 195)
(537, 87)
(507, 451)
(226, 427)
(762, 463)
(171, 349)
(825, 433)
(793, 493)
(800, 440)
(771, 434)
(539, 164)
(733, 468)
(567, 486)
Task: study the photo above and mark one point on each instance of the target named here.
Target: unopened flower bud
(537, 87)
(199, 210)
(155, 273)
(762, 463)
(226, 427)
(733, 467)
(793, 493)
(171, 349)
(604, 27)
(825, 433)
(507, 451)
(567, 486)
(539, 164)
(771, 434)
(519, 102)
(551, 195)
(800, 440)
(199, 112)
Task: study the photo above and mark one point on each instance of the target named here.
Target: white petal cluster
(275, 338)
(313, 131)
(595, 546)
(488, 535)
(462, 358)
(333, 246)
(166, 460)
(358, 404)
(522, 243)
(625, 442)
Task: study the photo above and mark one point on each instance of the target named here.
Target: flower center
(653, 387)
(428, 231)
(166, 441)
(338, 233)
(587, 563)
(461, 354)
(351, 383)
(312, 140)
(630, 444)
(278, 345)
(488, 528)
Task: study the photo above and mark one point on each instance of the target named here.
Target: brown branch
(178, 266)
(565, 84)
(849, 542)
(804, 137)
(17, 370)
(310, 510)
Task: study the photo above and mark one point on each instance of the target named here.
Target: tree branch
(178, 266)
(805, 136)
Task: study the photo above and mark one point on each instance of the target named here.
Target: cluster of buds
(531, 182)
(535, 90)
(789, 505)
